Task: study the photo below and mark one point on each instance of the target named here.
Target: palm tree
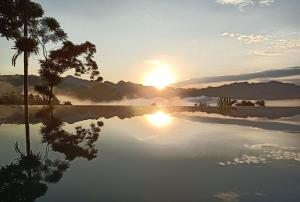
(26, 116)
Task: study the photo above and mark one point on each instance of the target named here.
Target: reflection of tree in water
(225, 110)
(27, 178)
(72, 145)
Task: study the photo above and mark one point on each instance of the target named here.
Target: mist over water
(173, 101)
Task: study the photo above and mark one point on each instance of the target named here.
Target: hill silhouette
(267, 74)
(109, 91)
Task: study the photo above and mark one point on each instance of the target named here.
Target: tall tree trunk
(26, 114)
(51, 95)
(27, 132)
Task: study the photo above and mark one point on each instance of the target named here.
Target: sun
(160, 77)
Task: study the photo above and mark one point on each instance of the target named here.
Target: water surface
(117, 153)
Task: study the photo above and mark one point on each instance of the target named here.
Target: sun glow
(159, 119)
(160, 77)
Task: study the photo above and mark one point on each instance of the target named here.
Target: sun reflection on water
(159, 119)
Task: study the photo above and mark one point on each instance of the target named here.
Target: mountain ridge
(273, 73)
(110, 91)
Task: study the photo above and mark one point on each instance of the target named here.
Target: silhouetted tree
(225, 102)
(245, 103)
(22, 21)
(68, 57)
(260, 103)
(67, 103)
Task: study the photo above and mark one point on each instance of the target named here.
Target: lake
(126, 153)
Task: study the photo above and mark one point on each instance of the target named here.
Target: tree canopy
(42, 30)
(69, 57)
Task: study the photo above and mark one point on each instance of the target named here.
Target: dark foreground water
(150, 154)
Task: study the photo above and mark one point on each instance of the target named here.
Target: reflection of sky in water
(185, 139)
(162, 157)
(266, 153)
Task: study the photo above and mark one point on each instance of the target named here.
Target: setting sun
(160, 77)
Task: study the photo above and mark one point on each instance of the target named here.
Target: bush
(245, 103)
(226, 102)
(67, 103)
(260, 103)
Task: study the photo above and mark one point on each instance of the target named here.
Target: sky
(193, 38)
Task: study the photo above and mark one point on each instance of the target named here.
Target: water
(150, 154)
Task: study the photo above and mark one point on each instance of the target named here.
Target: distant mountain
(109, 91)
(273, 74)
(71, 80)
(272, 90)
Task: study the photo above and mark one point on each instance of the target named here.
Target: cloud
(284, 44)
(273, 46)
(247, 39)
(277, 73)
(267, 153)
(243, 3)
(238, 3)
(265, 53)
(266, 2)
(278, 46)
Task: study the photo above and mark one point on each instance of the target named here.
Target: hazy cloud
(277, 73)
(265, 52)
(273, 46)
(7, 88)
(283, 44)
(243, 3)
(278, 46)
